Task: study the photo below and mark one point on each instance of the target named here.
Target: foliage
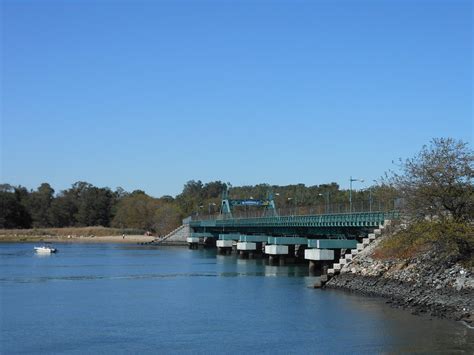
(438, 181)
(38, 204)
(12, 213)
(135, 211)
(95, 207)
(166, 217)
(196, 196)
(455, 239)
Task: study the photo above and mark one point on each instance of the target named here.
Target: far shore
(75, 239)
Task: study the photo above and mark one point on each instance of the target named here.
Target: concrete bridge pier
(224, 247)
(193, 242)
(319, 260)
(272, 259)
(277, 252)
(313, 267)
(249, 249)
(318, 268)
(224, 251)
(243, 254)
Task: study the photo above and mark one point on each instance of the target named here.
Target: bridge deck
(361, 219)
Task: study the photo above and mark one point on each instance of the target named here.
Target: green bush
(453, 239)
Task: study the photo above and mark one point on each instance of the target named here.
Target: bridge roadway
(340, 225)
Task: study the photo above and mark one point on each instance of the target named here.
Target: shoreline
(429, 283)
(77, 239)
(447, 302)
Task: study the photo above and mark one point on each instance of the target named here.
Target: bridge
(327, 241)
(342, 224)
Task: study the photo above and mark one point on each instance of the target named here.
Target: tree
(38, 203)
(438, 181)
(63, 210)
(94, 207)
(191, 197)
(167, 217)
(136, 211)
(12, 213)
(213, 189)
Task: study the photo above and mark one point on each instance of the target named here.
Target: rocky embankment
(429, 283)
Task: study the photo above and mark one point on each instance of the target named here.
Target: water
(122, 299)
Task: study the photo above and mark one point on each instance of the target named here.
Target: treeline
(437, 183)
(86, 205)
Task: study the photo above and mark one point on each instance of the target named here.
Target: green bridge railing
(359, 219)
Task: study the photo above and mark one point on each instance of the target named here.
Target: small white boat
(45, 250)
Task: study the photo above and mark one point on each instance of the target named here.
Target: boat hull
(42, 250)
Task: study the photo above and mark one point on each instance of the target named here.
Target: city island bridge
(327, 240)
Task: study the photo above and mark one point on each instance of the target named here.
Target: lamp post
(274, 199)
(350, 192)
(200, 206)
(289, 199)
(326, 196)
(371, 195)
(209, 205)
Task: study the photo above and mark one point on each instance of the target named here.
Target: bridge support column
(318, 268)
(224, 251)
(224, 247)
(319, 260)
(319, 254)
(249, 249)
(277, 252)
(193, 242)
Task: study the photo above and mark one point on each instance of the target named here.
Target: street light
(211, 204)
(326, 195)
(370, 195)
(350, 192)
(294, 205)
(197, 212)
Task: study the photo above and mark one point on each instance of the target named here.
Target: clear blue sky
(150, 94)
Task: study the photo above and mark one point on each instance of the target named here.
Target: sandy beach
(76, 239)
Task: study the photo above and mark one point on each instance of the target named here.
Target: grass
(73, 231)
(455, 240)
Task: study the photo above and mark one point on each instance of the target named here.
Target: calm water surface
(122, 299)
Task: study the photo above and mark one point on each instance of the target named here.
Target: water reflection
(44, 255)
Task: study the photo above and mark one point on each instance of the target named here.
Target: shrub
(453, 239)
